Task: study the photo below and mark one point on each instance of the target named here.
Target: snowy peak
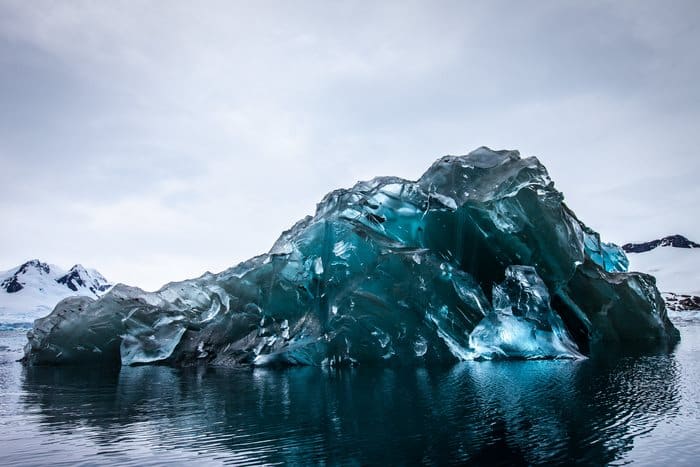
(34, 265)
(78, 278)
(35, 274)
(24, 273)
(32, 289)
(676, 241)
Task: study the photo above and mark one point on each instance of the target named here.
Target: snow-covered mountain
(676, 241)
(31, 290)
(675, 262)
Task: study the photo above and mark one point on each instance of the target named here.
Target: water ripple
(609, 409)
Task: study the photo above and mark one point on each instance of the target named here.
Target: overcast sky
(156, 140)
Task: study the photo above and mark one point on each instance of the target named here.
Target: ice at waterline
(478, 259)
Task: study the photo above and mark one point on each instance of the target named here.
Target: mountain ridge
(676, 241)
(32, 289)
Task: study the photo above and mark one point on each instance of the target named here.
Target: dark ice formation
(478, 259)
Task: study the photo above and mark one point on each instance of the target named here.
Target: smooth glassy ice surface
(390, 271)
(609, 256)
(522, 323)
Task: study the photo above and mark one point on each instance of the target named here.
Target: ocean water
(615, 408)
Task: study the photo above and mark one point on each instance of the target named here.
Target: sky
(154, 141)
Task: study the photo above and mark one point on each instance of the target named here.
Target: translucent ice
(609, 256)
(388, 271)
(522, 323)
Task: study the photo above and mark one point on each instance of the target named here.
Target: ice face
(522, 323)
(609, 256)
(388, 271)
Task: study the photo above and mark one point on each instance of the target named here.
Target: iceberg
(480, 258)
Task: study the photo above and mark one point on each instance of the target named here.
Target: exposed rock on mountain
(675, 263)
(33, 289)
(676, 241)
(681, 302)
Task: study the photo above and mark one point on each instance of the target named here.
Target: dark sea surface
(618, 407)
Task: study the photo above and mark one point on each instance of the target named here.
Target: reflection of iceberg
(479, 258)
(487, 413)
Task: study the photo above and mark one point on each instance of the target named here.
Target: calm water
(612, 410)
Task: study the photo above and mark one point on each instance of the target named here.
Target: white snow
(676, 270)
(40, 291)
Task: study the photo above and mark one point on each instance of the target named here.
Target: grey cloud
(154, 142)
